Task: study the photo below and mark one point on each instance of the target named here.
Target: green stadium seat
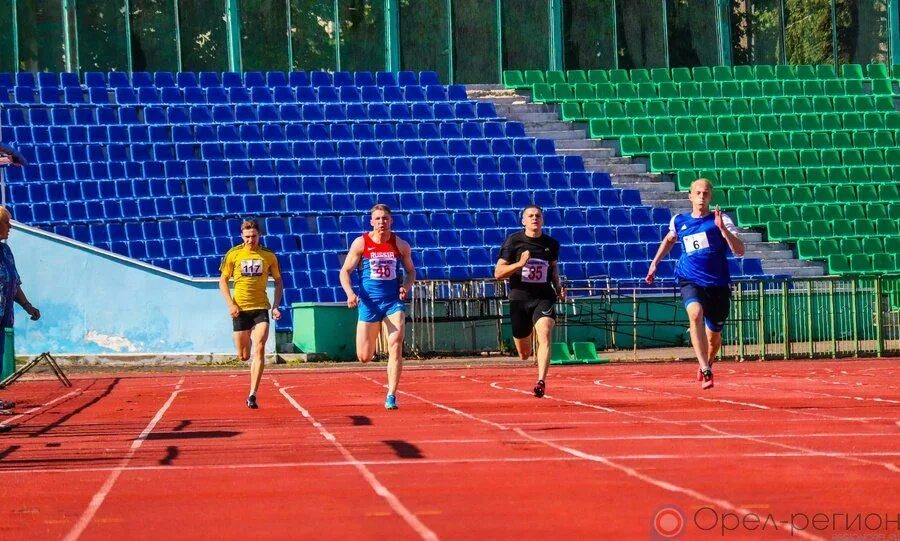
(863, 139)
(851, 157)
(647, 90)
(664, 126)
(889, 192)
(730, 178)
(816, 175)
(769, 214)
(736, 141)
(838, 264)
(829, 247)
(721, 73)
(585, 91)
(787, 123)
(882, 263)
(877, 71)
(805, 72)
(556, 78)
(822, 104)
(820, 140)
(785, 71)
(778, 231)
(852, 71)
(866, 228)
(630, 145)
(772, 89)
(678, 108)
(682, 160)
(820, 228)
(740, 107)
(674, 143)
(854, 87)
(788, 158)
(618, 76)
(808, 249)
(743, 73)
(623, 126)
(653, 143)
(642, 126)
(825, 71)
(668, 90)
(563, 92)
(747, 217)
(804, 212)
(882, 86)
(823, 194)
(764, 72)
(576, 76)
(813, 88)
(660, 75)
(874, 121)
(614, 109)
(514, 79)
(658, 108)
(800, 140)
(627, 91)
(727, 124)
(690, 90)
(681, 75)
(894, 211)
(842, 228)
(707, 124)
(892, 245)
(599, 128)
(605, 91)
(731, 89)
(802, 195)
(724, 159)
(542, 93)
(798, 230)
(854, 211)
(842, 139)
(571, 112)
(801, 104)
(835, 87)
(792, 88)
(877, 211)
(685, 125)
(781, 195)
(710, 89)
(851, 246)
(884, 103)
(811, 122)
(886, 227)
(640, 75)
(661, 161)
(861, 264)
(881, 174)
(792, 213)
(598, 76)
(534, 77)
(593, 109)
(702, 74)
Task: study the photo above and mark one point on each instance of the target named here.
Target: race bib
(697, 241)
(252, 267)
(536, 271)
(382, 268)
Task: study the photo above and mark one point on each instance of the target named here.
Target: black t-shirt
(533, 281)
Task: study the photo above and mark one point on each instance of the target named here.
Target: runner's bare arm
(505, 269)
(350, 263)
(408, 266)
(664, 248)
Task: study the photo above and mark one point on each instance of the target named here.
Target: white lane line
(630, 472)
(429, 462)
(411, 519)
(496, 385)
(35, 409)
(812, 452)
(101, 494)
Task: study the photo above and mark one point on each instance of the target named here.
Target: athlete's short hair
(249, 224)
(524, 210)
(380, 206)
(705, 181)
(4, 213)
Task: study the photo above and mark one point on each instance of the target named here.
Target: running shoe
(707, 376)
(539, 388)
(390, 403)
(7, 405)
(251, 402)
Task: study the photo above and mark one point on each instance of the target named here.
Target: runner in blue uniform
(702, 271)
(381, 294)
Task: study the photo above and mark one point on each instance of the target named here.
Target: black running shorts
(248, 319)
(524, 314)
(715, 301)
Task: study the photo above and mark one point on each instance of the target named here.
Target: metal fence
(770, 319)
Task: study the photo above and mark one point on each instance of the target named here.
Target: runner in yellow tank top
(250, 266)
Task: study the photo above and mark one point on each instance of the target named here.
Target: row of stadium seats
(226, 114)
(49, 96)
(529, 78)
(208, 79)
(786, 211)
(841, 140)
(718, 107)
(270, 132)
(603, 92)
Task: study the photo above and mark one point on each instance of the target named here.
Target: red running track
(470, 454)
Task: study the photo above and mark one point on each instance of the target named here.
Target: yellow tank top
(250, 270)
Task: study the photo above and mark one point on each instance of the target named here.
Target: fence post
(810, 322)
(879, 332)
(740, 322)
(853, 313)
(786, 318)
(833, 321)
(762, 320)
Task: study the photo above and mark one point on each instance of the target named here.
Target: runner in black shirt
(528, 258)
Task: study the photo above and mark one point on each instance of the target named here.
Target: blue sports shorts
(375, 310)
